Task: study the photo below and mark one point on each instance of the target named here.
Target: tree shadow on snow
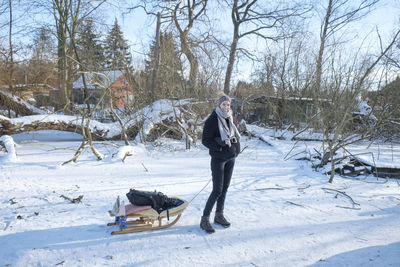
(75, 236)
(386, 255)
(12, 245)
(391, 211)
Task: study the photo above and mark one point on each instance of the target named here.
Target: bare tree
(8, 51)
(4, 4)
(337, 117)
(10, 66)
(87, 139)
(182, 15)
(156, 57)
(190, 12)
(252, 18)
(68, 15)
(337, 15)
(42, 63)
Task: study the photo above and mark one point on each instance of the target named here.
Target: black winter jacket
(212, 140)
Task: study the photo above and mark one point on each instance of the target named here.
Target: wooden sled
(131, 218)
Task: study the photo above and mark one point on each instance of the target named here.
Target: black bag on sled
(156, 200)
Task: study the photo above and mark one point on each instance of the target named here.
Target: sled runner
(132, 218)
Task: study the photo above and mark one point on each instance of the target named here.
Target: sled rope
(200, 190)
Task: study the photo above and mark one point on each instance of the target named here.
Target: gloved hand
(228, 142)
(219, 141)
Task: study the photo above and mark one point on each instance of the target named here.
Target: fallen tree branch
(303, 188)
(350, 208)
(264, 140)
(126, 155)
(269, 188)
(73, 200)
(145, 168)
(13, 126)
(342, 193)
(290, 202)
(78, 152)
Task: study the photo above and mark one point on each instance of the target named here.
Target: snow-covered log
(8, 143)
(162, 118)
(54, 122)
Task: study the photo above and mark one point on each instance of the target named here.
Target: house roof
(30, 85)
(266, 99)
(94, 80)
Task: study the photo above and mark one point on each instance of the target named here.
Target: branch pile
(18, 105)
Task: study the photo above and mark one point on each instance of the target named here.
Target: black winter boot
(220, 219)
(205, 224)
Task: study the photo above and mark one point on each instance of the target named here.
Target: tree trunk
(231, 61)
(194, 65)
(61, 60)
(11, 56)
(63, 15)
(318, 68)
(154, 81)
(183, 37)
(331, 155)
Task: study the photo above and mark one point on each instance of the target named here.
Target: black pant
(221, 175)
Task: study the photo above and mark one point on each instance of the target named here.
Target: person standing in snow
(222, 138)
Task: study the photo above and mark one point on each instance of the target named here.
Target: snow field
(280, 213)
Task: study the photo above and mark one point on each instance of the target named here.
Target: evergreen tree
(43, 47)
(116, 48)
(170, 82)
(41, 65)
(91, 52)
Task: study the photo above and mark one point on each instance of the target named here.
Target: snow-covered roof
(98, 79)
(29, 85)
(262, 99)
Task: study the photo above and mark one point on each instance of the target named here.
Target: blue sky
(139, 29)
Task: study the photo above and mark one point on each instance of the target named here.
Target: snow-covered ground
(282, 212)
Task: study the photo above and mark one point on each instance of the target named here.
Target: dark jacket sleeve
(210, 132)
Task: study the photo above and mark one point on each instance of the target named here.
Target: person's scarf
(226, 131)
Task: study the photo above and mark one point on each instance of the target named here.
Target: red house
(122, 97)
(97, 82)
